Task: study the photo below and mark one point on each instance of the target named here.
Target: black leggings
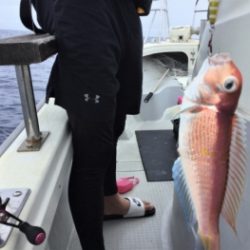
(97, 78)
(93, 175)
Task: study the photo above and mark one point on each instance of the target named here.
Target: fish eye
(230, 84)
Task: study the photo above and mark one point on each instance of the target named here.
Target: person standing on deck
(97, 78)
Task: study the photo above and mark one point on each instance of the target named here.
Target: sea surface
(10, 106)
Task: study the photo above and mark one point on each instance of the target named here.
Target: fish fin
(199, 245)
(172, 113)
(237, 172)
(245, 113)
(210, 242)
(182, 192)
(189, 106)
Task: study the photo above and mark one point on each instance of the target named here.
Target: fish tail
(210, 242)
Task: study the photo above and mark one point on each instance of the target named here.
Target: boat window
(177, 62)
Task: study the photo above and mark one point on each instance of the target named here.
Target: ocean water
(10, 105)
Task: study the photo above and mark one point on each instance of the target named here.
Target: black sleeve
(45, 14)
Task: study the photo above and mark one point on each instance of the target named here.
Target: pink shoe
(179, 100)
(126, 184)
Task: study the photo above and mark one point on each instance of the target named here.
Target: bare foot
(116, 204)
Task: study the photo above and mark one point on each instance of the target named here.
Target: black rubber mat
(158, 153)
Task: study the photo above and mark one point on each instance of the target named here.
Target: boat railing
(22, 51)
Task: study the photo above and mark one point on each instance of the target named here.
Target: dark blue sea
(10, 107)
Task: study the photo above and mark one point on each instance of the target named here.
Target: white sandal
(136, 209)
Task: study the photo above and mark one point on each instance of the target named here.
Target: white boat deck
(47, 205)
(144, 233)
(141, 233)
(137, 233)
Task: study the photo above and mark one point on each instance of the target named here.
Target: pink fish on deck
(212, 148)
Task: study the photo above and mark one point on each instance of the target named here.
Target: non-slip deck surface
(141, 233)
(158, 153)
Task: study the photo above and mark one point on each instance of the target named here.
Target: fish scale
(205, 154)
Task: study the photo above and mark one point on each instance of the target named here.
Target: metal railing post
(35, 138)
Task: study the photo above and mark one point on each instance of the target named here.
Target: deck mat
(158, 153)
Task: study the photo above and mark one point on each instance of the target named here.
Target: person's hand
(143, 7)
(140, 11)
